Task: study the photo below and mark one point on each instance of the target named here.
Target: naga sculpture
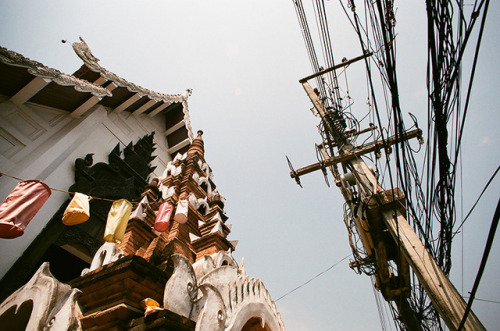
(217, 294)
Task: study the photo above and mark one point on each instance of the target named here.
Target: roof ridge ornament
(82, 49)
(40, 70)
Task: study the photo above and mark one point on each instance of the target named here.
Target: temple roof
(17, 69)
(23, 80)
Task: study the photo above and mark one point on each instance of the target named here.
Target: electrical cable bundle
(429, 189)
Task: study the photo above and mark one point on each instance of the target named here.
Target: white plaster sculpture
(171, 169)
(204, 166)
(212, 317)
(203, 180)
(218, 295)
(217, 260)
(180, 156)
(196, 203)
(140, 211)
(44, 303)
(216, 192)
(167, 191)
(107, 254)
(196, 177)
(66, 314)
(180, 290)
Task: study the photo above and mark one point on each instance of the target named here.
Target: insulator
(349, 178)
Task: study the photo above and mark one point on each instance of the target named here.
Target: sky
(243, 60)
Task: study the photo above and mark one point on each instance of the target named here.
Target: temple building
(168, 264)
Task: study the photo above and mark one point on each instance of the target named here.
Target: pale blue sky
(243, 60)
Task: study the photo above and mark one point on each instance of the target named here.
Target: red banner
(20, 206)
(163, 216)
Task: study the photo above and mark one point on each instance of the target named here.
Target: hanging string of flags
(28, 197)
(53, 189)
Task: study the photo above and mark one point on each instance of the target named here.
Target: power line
(491, 301)
(487, 249)
(310, 280)
(479, 198)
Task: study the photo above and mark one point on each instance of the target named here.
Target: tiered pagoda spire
(205, 232)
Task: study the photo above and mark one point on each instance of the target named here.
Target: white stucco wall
(38, 142)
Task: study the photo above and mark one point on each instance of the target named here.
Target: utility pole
(387, 237)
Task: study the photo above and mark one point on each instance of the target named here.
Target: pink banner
(163, 216)
(20, 206)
